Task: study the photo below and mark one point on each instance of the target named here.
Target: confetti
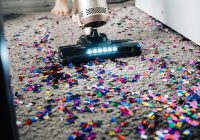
(155, 95)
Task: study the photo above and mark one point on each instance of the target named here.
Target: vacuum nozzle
(97, 45)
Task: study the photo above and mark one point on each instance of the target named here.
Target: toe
(59, 13)
(65, 13)
(52, 11)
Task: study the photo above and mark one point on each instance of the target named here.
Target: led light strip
(102, 50)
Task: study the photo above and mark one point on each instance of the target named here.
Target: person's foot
(61, 8)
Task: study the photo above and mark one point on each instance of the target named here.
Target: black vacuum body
(95, 45)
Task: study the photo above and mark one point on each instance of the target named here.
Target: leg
(75, 16)
(61, 8)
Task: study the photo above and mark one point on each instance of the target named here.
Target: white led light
(100, 50)
(89, 51)
(94, 50)
(105, 49)
(114, 49)
(110, 49)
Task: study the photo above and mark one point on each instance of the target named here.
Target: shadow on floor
(12, 16)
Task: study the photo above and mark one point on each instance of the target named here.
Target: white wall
(181, 15)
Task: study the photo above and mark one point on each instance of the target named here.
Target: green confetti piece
(125, 75)
(115, 104)
(197, 80)
(55, 86)
(110, 83)
(99, 123)
(174, 81)
(168, 85)
(179, 68)
(99, 94)
(169, 118)
(171, 125)
(151, 105)
(189, 113)
(87, 108)
(194, 116)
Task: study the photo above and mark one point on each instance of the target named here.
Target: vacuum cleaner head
(92, 14)
(90, 47)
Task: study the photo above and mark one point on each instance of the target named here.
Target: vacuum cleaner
(90, 15)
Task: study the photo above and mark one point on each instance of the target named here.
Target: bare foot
(61, 8)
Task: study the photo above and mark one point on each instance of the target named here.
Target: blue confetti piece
(113, 119)
(139, 100)
(125, 104)
(88, 129)
(33, 120)
(69, 93)
(71, 138)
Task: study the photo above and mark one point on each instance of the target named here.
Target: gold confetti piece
(145, 103)
(43, 76)
(187, 94)
(159, 109)
(156, 138)
(181, 117)
(39, 107)
(184, 111)
(112, 133)
(166, 106)
(151, 117)
(47, 92)
(186, 132)
(179, 124)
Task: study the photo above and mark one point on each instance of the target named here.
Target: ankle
(61, 1)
